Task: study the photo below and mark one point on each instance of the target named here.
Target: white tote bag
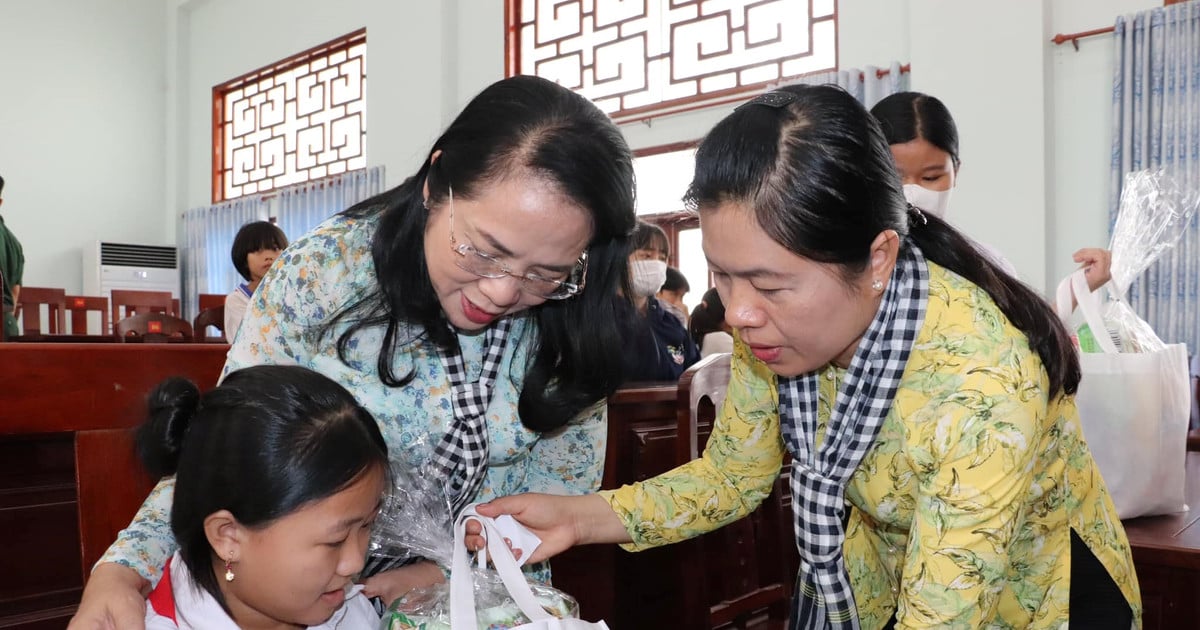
(462, 590)
(1134, 410)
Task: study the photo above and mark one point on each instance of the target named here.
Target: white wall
(82, 102)
(1080, 127)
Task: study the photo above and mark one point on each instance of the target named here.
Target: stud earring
(229, 571)
(877, 285)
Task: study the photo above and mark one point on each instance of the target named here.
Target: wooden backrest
(741, 571)
(211, 300)
(30, 303)
(154, 327)
(126, 303)
(214, 317)
(80, 305)
(707, 379)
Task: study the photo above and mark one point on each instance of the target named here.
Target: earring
(877, 285)
(228, 571)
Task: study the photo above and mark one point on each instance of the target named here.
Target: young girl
(255, 249)
(278, 477)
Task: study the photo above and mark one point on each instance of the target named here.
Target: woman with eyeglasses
(939, 473)
(473, 310)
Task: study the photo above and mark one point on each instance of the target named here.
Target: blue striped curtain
(865, 85)
(207, 240)
(1156, 123)
(300, 208)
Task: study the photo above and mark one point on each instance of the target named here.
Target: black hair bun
(170, 409)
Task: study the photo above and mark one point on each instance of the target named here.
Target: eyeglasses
(488, 266)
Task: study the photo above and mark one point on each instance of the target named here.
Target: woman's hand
(112, 600)
(561, 522)
(396, 583)
(1098, 265)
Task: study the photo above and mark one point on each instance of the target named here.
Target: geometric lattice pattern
(300, 119)
(633, 57)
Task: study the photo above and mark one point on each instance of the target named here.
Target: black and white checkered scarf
(824, 599)
(461, 456)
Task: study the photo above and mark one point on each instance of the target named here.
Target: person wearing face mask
(924, 143)
(660, 348)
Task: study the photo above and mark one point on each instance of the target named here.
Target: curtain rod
(1074, 38)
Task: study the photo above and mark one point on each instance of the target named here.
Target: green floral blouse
(961, 513)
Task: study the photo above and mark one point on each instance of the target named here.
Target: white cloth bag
(1134, 410)
(462, 591)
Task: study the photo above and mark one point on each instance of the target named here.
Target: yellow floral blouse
(961, 513)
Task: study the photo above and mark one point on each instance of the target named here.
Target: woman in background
(658, 347)
(924, 143)
(255, 248)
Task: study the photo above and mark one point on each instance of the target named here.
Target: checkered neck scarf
(824, 600)
(462, 454)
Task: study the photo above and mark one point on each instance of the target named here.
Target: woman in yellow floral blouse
(939, 473)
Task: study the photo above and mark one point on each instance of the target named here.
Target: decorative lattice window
(300, 119)
(635, 58)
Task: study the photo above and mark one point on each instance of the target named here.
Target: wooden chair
(126, 303)
(214, 317)
(29, 307)
(211, 300)
(153, 328)
(80, 305)
(741, 574)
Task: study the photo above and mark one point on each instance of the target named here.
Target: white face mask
(648, 276)
(935, 202)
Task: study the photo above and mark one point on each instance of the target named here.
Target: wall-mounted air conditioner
(108, 266)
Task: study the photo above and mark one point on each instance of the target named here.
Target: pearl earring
(228, 571)
(877, 285)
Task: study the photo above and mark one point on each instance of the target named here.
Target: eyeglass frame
(462, 250)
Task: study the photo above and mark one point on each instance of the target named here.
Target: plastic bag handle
(1089, 305)
(462, 588)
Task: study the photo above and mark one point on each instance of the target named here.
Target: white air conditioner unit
(108, 266)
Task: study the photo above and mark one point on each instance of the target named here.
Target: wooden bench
(69, 480)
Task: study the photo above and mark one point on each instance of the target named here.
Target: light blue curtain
(207, 240)
(302, 207)
(865, 85)
(1156, 123)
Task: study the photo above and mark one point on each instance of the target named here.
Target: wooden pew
(647, 589)
(1166, 553)
(69, 480)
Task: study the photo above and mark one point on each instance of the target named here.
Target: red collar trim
(162, 598)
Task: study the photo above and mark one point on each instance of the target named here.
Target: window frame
(219, 92)
(512, 67)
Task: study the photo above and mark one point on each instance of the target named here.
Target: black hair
(1, 185)
(707, 317)
(819, 177)
(266, 442)
(906, 116)
(676, 281)
(647, 235)
(522, 127)
(253, 237)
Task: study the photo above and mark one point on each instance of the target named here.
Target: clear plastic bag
(415, 523)
(1154, 211)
